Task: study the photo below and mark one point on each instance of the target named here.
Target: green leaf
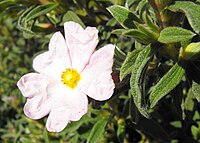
(150, 22)
(137, 73)
(118, 31)
(191, 51)
(119, 54)
(168, 82)
(196, 90)
(141, 6)
(131, 2)
(147, 31)
(139, 36)
(176, 124)
(195, 132)
(40, 10)
(25, 26)
(189, 101)
(123, 16)
(128, 64)
(71, 16)
(191, 10)
(121, 130)
(175, 34)
(133, 110)
(97, 131)
(27, 19)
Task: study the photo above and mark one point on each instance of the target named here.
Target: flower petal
(81, 43)
(96, 80)
(75, 102)
(58, 52)
(68, 105)
(57, 120)
(33, 86)
(38, 106)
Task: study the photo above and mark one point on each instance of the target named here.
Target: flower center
(70, 77)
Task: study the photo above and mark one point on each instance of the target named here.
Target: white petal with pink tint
(57, 120)
(66, 108)
(58, 51)
(97, 82)
(75, 101)
(32, 84)
(38, 106)
(81, 43)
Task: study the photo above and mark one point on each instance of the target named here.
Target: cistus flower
(65, 75)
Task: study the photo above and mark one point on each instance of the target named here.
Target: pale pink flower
(65, 74)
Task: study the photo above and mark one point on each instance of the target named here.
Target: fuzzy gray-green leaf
(123, 16)
(191, 10)
(97, 131)
(175, 34)
(196, 90)
(139, 36)
(140, 63)
(128, 64)
(168, 82)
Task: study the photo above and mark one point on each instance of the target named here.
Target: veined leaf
(175, 34)
(139, 66)
(139, 36)
(125, 17)
(128, 64)
(71, 16)
(168, 82)
(40, 10)
(97, 131)
(191, 10)
(196, 90)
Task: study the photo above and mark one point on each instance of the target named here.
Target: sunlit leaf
(125, 17)
(196, 90)
(175, 34)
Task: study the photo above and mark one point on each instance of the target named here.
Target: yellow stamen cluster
(70, 77)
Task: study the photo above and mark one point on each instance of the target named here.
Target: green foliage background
(156, 69)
